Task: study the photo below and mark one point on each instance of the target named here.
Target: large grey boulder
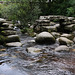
(45, 38)
(13, 38)
(33, 50)
(65, 41)
(62, 48)
(14, 44)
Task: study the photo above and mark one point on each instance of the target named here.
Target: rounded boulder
(45, 38)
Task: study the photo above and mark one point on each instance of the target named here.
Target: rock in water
(69, 36)
(62, 48)
(33, 50)
(14, 44)
(45, 38)
(13, 38)
(70, 27)
(74, 39)
(65, 41)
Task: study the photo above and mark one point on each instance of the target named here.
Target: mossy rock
(2, 40)
(13, 38)
(8, 32)
(56, 20)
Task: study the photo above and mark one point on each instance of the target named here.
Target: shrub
(2, 39)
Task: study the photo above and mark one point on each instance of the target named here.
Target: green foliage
(26, 11)
(24, 30)
(70, 11)
(2, 39)
(21, 10)
(1, 6)
(29, 31)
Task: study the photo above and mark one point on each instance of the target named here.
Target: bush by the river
(2, 39)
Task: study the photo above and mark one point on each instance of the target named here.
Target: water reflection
(46, 63)
(8, 70)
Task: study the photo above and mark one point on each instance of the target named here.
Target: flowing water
(17, 61)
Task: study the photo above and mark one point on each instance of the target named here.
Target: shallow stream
(17, 61)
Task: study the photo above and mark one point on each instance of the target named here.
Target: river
(17, 61)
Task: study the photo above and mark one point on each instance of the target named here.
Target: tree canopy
(29, 10)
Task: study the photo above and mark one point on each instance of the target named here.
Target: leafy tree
(21, 10)
(71, 9)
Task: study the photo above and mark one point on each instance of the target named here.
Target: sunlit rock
(2, 20)
(70, 27)
(57, 25)
(73, 21)
(31, 41)
(69, 36)
(5, 24)
(62, 48)
(14, 44)
(70, 18)
(11, 25)
(65, 41)
(33, 50)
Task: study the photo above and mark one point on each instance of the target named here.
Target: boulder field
(55, 29)
(8, 33)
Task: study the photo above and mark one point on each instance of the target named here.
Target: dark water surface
(16, 60)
